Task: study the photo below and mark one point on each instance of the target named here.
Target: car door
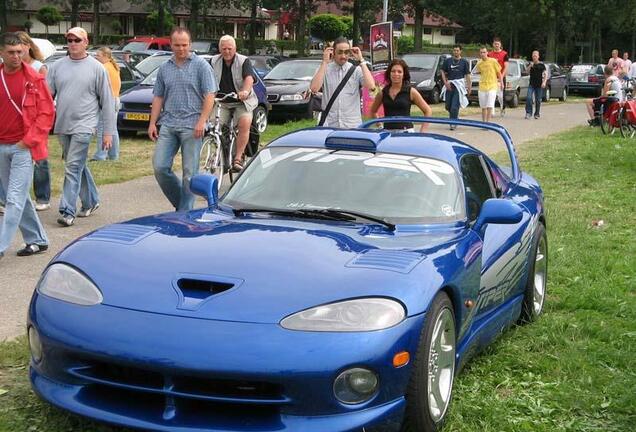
(558, 80)
(504, 252)
(524, 79)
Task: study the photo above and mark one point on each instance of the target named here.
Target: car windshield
(135, 46)
(151, 78)
(151, 63)
(299, 70)
(395, 188)
(420, 61)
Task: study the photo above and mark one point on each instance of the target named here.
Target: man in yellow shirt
(489, 82)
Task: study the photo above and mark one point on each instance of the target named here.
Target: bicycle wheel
(204, 156)
(604, 121)
(628, 129)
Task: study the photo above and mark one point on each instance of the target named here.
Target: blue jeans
(42, 182)
(537, 93)
(175, 189)
(16, 172)
(113, 152)
(452, 102)
(3, 194)
(78, 180)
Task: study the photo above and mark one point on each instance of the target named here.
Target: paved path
(123, 201)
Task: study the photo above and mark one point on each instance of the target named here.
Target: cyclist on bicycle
(235, 74)
(612, 84)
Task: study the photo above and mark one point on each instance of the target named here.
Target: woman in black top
(397, 97)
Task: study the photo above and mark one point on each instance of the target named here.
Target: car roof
(430, 145)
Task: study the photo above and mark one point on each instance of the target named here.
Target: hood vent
(122, 233)
(195, 290)
(392, 260)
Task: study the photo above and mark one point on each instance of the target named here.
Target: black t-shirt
(400, 106)
(536, 74)
(456, 69)
(227, 83)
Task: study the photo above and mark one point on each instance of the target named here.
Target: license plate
(137, 116)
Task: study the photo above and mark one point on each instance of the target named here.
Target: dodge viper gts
(339, 285)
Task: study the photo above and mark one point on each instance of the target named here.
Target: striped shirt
(345, 112)
(183, 89)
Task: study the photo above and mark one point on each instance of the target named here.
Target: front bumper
(171, 373)
(285, 108)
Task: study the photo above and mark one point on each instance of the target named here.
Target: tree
(8, 5)
(49, 15)
(158, 21)
(74, 7)
(326, 27)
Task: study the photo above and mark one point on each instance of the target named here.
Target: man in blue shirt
(185, 89)
(456, 77)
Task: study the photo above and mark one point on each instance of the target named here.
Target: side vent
(195, 290)
(392, 260)
(122, 233)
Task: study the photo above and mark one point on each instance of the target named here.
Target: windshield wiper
(326, 213)
(351, 215)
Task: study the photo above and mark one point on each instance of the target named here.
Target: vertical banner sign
(381, 42)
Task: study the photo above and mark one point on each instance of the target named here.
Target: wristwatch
(364, 62)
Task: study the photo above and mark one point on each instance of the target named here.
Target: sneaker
(66, 220)
(528, 116)
(503, 111)
(42, 206)
(536, 116)
(32, 249)
(87, 212)
(453, 127)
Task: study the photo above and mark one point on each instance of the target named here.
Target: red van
(143, 43)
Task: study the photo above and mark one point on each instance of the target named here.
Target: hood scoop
(195, 290)
(122, 233)
(392, 260)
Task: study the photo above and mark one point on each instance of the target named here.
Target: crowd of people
(86, 91)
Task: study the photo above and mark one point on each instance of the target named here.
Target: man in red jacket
(26, 110)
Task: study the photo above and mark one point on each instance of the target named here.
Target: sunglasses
(346, 52)
(73, 40)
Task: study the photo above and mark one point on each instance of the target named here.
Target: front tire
(564, 95)
(546, 95)
(435, 96)
(514, 102)
(431, 385)
(534, 297)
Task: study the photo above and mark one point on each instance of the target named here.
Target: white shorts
(487, 98)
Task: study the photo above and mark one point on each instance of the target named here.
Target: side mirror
(207, 186)
(498, 211)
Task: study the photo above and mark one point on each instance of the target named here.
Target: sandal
(237, 166)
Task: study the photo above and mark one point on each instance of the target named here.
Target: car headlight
(63, 282)
(292, 97)
(425, 83)
(366, 314)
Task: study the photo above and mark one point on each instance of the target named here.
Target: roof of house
(431, 19)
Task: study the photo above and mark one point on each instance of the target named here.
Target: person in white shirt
(627, 63)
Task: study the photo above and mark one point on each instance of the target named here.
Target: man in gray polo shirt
(80, 86)
(185, 89)
(345, 112)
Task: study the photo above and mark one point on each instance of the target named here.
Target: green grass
(573, 370)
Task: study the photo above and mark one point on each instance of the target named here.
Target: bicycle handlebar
(227, 96)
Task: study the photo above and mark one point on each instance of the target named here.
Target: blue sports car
(338, 285)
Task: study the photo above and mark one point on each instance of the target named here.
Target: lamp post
(385, 10)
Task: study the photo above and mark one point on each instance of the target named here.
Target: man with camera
(335, 68)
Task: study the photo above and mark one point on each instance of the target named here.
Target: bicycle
(218, 144)
(627, 113)
(608, 113)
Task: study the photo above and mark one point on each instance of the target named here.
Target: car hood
(417, 76)
(263, 268)
(137, 94)
(286, 86)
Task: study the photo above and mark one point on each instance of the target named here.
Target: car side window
(125, 74)
(477, 184)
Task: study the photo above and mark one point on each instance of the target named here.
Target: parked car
(288, 87)
(134, 113)
(206, 46)
(426, 74)
(262, 64)
(143, 43)
(339, 285)
(587, 78)
(152, 62)
(557, 84)
(129, 76)
(517, 81)
(46, 46)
